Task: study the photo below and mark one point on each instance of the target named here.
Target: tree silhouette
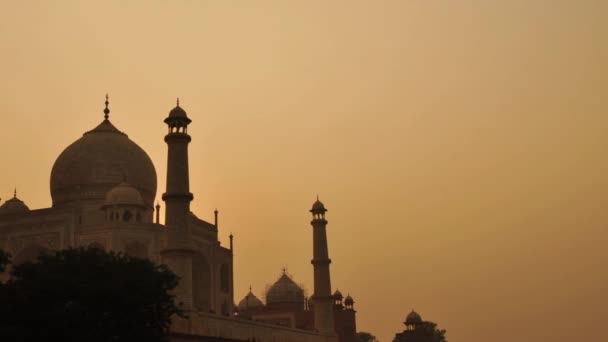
(4, 260)
(430, 330)
(87, 295)
(425, 331)
(363, 336)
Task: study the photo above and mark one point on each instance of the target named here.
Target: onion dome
(13, 206)
(349, 300)
(92, 165)
(124, 194)
(413, 318)
(285, 290)
(250, 301)
(338, 295)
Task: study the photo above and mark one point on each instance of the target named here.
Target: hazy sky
(460, 146)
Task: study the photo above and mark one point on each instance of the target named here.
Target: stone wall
(217, 326)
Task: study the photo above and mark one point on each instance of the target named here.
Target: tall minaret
(322, 298)
(177, 251)
(178, 196)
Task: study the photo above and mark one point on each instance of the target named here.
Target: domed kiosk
(13, 206)
(124, 203)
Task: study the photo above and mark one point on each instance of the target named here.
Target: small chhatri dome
(250, 301)
(318, 207)
(413, 318)
(338, 295)
(349, 300)
(285, 290)
(13, 206)
(124, 194)
(178, 113)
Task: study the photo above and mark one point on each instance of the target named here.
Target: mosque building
(287, 305)
(103, 188)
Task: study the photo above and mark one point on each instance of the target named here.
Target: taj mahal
(103, 187)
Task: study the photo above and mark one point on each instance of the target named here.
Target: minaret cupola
(178, 120)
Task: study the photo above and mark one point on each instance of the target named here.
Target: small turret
(412, 321)
(13, 206)
(124, 203)
(349, 302)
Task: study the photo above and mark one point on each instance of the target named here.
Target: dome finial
(106, 111)
(178, 101)
(15, 193)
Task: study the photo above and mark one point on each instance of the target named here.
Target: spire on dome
(106, 111)
(15, 193)
(178, 101)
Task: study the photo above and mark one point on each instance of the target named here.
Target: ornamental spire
(106, 111)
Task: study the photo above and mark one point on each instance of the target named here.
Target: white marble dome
(103, 157)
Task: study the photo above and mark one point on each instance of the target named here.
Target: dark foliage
(87, 295)
(433, 334)
(425, 332)
(363, 336)
(4, 260)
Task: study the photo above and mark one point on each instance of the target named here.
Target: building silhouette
(287, 305)
(103, 188)
(416, 330)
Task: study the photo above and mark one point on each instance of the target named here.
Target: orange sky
(460, 146)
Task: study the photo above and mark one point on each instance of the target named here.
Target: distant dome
(13, 206)
(92, 165)
(349, 300)
(124, 194)
(250, 301)
(413, 318)
(285, 290)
